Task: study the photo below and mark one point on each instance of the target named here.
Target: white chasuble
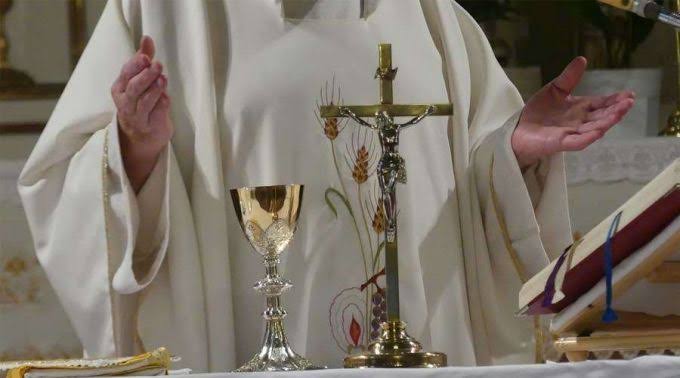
(170, 265)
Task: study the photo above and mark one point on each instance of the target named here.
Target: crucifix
(394, 347)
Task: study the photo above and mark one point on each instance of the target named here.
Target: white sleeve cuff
(534, 204)
(139, 223)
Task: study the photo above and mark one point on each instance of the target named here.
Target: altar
(652, 366)
(599, 181)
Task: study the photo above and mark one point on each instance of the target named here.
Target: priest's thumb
(571, 76)
(147, 47)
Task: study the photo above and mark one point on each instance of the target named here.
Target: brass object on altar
(673, 125)
(394, 347)
(268, 216)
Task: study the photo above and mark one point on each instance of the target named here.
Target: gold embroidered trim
(504, 227)
(159, 358)
(106, 204)
(538, 330)
(106, 197)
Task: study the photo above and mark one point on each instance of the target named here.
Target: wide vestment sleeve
(512, 223)
(101, 245)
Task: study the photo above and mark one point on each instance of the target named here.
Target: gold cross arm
(395, 110)
(386, 74)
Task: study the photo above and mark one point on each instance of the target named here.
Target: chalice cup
(268, 216)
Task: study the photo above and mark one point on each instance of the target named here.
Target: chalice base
(280, 359)
(276, 354)
(395, 349)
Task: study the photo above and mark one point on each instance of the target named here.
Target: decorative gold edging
(159, 358)
(614, 343)
(577, 349)
(106, 203)
(502, 224)
(514, 256)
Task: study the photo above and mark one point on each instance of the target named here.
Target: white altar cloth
(648, 366)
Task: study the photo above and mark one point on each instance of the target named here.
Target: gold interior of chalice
(268, 215)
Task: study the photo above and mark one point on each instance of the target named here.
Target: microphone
(647, 9)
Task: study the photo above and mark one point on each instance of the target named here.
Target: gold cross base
(395, 349)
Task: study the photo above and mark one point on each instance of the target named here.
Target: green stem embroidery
(376, 258)
(363, 216)
(361, 243)
(345, 200)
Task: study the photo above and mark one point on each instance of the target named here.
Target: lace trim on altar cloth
(637, 160)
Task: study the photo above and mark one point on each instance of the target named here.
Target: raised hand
(143, 108)
(553, 120)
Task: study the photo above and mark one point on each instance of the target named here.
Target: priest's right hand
(143, 107)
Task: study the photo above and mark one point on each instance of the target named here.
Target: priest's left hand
(553, 120)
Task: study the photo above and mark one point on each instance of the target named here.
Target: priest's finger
(571, 76)
(140, 83)
(605, 101)
(622, 107)
(147, 47)
(601, 125)
(577, 142)
(141, 60)
(159, 114)
(149, 99)
(129, 70)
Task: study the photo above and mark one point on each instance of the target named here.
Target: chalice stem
(275, 334)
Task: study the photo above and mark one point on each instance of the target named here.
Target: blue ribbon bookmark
(609, 315)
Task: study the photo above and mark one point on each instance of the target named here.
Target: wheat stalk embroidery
(355, 310)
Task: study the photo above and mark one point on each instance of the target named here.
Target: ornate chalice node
(268, 216)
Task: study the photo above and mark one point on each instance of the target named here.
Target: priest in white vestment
(138, 235)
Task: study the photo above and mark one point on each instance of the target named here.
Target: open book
(641, 219)
(149, 364)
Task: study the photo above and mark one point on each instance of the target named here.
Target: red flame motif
(355, 331)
